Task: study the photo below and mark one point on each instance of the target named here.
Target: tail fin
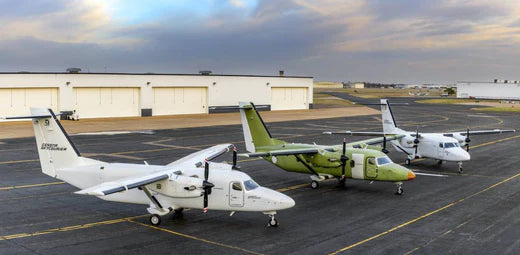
(389, 124)
(255, 131)
(55, 148)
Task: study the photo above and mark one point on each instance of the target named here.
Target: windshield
(250, 185)
(450, 145)
(383, 161)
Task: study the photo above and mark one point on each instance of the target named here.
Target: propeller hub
(467, 140)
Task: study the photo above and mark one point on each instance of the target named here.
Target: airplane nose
(287, 202)
(466, 156)
(411, 175)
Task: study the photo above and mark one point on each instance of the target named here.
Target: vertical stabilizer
(255, 132)
(55, 148)
(389, 124)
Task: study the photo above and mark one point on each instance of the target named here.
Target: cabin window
(237, 186)
(440, 145)
(250, 185)
(352, 163)
(371, 161)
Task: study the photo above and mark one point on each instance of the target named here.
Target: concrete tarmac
(440, 213)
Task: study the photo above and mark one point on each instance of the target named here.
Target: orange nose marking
(411, 175)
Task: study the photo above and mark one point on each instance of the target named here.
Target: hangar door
(106, 102)
(17, 102)
(288, 98)
(179, 100)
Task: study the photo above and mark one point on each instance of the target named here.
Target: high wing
(198, 158)
(352, 133)
(123, 184)
(281, 152)
(480, 132)
(374, 141)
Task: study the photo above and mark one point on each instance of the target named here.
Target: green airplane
(359, 160)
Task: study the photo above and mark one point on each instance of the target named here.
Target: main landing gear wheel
(273, 222)
(315, 184)
(439, 162)
(408, 162)
(399, 190)
(155, 219)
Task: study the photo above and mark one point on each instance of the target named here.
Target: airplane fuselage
(362, 164)
(433, 145)
(233, 190)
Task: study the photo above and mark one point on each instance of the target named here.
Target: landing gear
(399, 190)
(460, 168)
(177, 213)
(439, 162)
(273, 222)
(315, 184)
(408, 161)
(155, 219)
(342, 181)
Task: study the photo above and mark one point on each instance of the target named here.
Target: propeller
(234, 167)
(467, 140)
(416, 140)
(343, 158)
(206, 185)
(384, 150)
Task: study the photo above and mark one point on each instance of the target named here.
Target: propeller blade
(205, 201)
(206, 170)
(344, 158)
(234, 158)
(467, 140)
(416, 140)
(384, 150)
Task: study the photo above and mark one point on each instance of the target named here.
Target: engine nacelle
(460, 138)
(407, 142)
(325, 159)
(179, 186)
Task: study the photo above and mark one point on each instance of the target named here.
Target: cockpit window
(237, 186)
(250, 185)
(383, 161)
(449, 145)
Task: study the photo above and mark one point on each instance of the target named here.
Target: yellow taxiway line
(423, 216)
(31, 185)
(195, 238)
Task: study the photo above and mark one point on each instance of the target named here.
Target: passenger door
(236, 194)
(370, 168)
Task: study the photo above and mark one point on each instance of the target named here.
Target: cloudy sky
(358, 40)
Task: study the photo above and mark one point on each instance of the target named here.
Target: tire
(399, 191)
(315, 185)
(273, 223)
(155, 219)
(408, 162)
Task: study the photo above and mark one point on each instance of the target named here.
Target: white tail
(55, 148)
(389, 125)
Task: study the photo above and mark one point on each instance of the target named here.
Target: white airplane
(440, 146)
(185, 183)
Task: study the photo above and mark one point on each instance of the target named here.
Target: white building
(499, 89)
(98, 95)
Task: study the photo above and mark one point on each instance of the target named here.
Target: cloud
(399, 40)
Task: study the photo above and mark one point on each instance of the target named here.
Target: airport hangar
(102, 95)
(498, 89)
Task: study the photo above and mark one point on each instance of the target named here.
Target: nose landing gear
(460, 167)
(399, 190)
(273, 222)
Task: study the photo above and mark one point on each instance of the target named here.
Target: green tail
(256, 133)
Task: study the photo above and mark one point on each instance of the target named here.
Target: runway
(440, 212)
